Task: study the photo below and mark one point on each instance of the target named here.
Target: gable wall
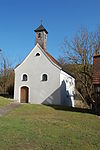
(39, 91)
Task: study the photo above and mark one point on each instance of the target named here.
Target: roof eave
(41, 31)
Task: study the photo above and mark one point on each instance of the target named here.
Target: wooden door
(24, 94)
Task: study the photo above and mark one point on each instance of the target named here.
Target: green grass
(38, 127)
(4, 101)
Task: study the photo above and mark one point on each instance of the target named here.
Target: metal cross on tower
(41, 21)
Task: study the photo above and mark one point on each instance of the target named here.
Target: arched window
(44, 77)
(24, 77)
(37, 54)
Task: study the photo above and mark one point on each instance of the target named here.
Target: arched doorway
(24, 94)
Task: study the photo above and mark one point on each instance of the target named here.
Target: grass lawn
(4, 101)
(38, 127)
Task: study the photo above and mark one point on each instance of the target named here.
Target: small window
(39, 35)
(37, 54)
(44, 77)
(24, 77)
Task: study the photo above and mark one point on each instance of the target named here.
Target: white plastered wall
(34, 66)
(67, 84)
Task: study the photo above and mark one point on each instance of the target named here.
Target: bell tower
(41, 36)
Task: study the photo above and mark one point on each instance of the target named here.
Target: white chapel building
(39, 79)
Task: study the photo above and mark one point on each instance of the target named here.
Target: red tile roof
(96, 69)
(52, 59)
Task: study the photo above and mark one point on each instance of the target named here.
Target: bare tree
(6, 77)
(79, 54)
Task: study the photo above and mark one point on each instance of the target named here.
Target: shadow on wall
(65, 96)
(60, 96)
(53, 98)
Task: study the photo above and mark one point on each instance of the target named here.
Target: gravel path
(8, 108)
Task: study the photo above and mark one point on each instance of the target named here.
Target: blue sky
(19, 18)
